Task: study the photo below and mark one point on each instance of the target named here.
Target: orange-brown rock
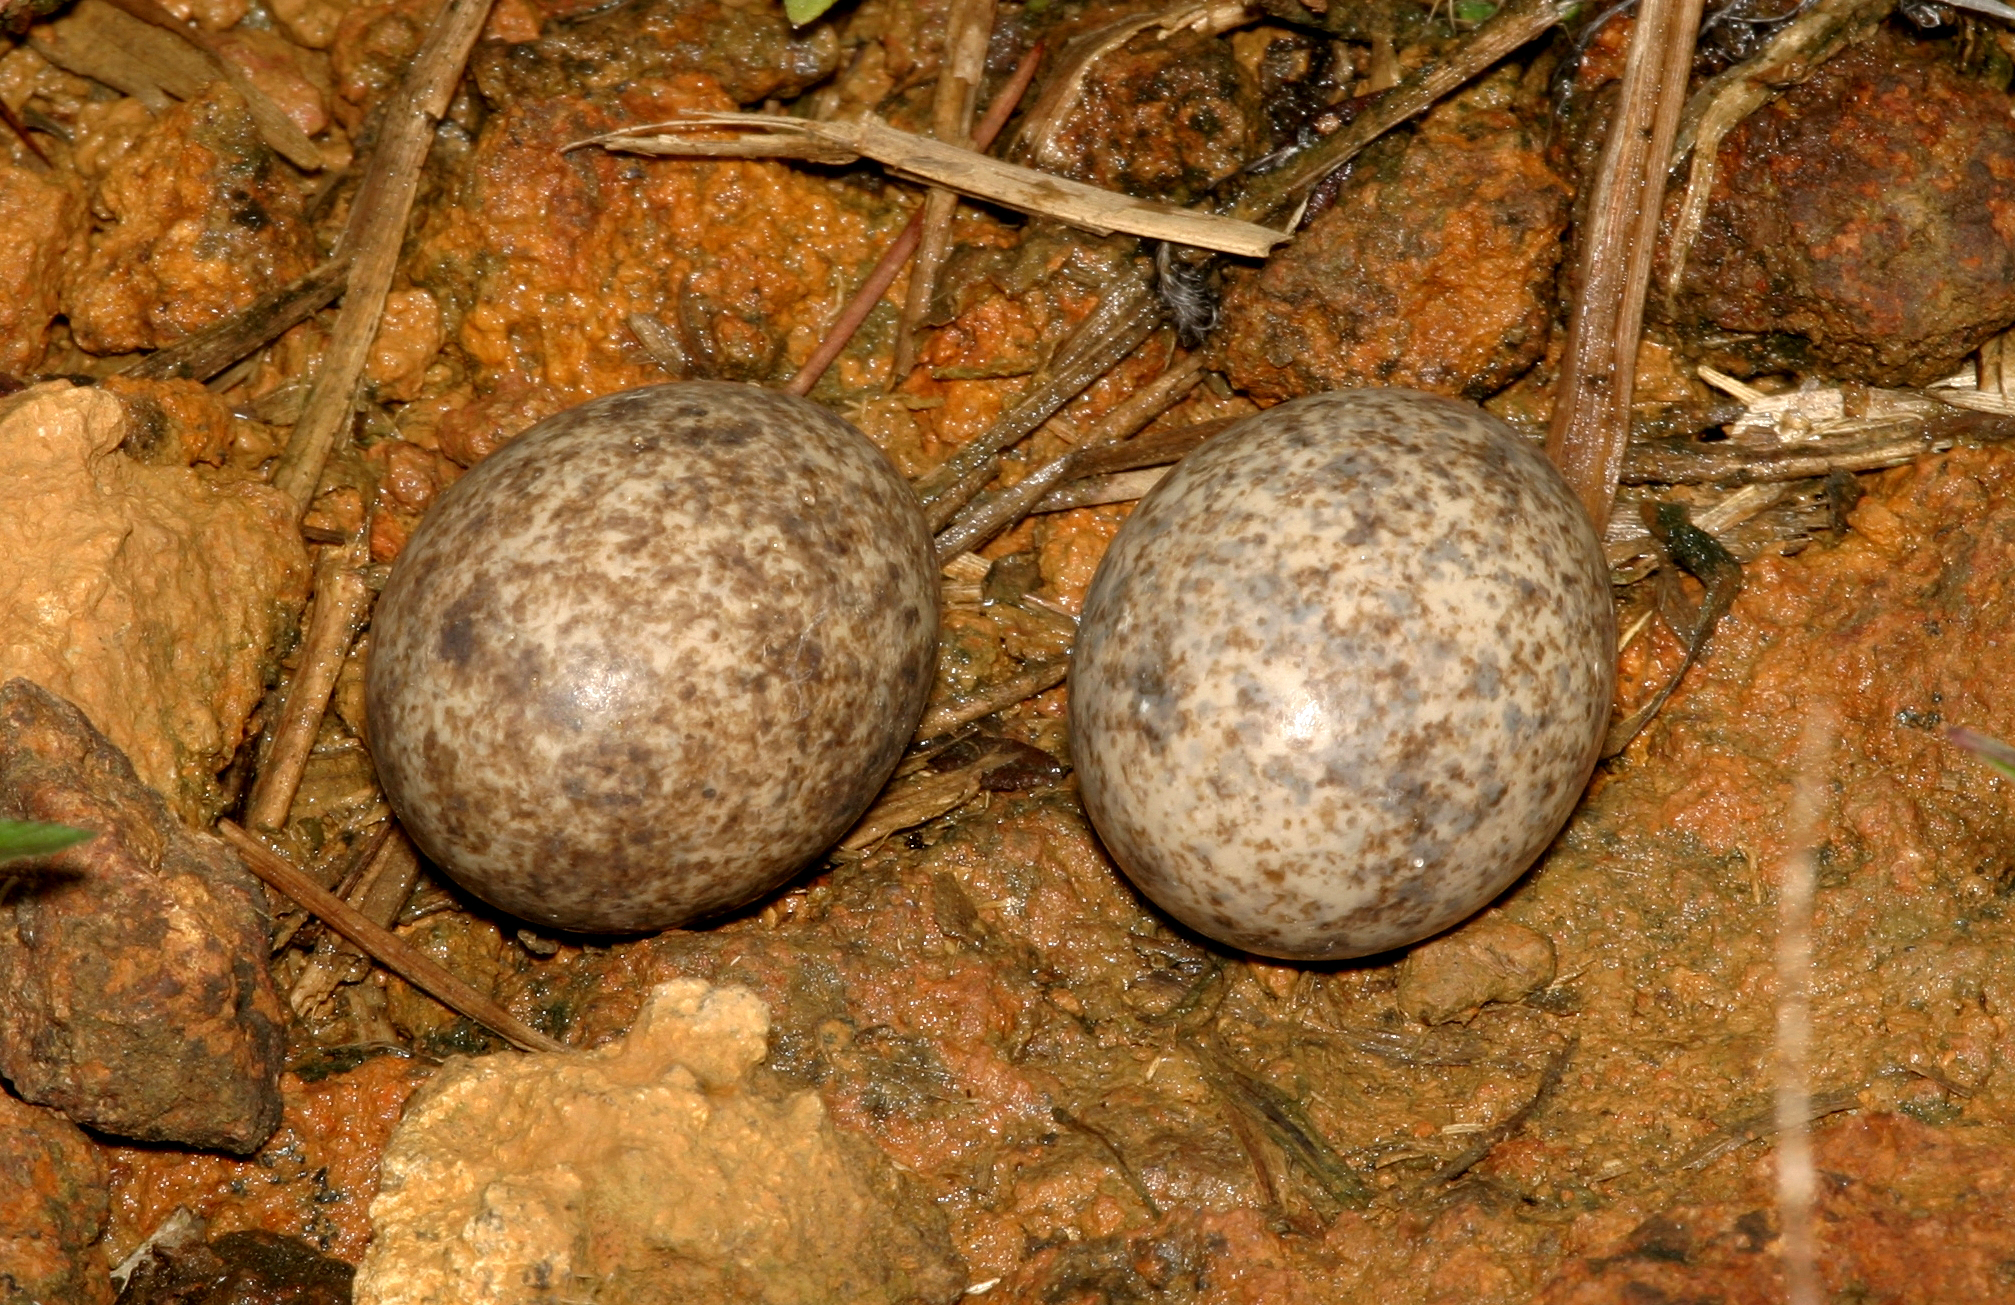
(52, 1210)
(40, 218)
(1871, 210)
(150, 596)
(134, 995)
(1434, 269)
(198, 221)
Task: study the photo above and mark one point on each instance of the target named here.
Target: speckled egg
(1343, 675)
(645, 662)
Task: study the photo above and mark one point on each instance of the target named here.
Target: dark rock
(134, 995)
(1163, 117)
(240, 1268)
(1870, 210)
(1434, 269)
(53, 1208)
(745, 45)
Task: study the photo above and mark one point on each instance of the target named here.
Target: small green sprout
(1472, 12)
(25, 838)
(801, 12)
(1990, 750)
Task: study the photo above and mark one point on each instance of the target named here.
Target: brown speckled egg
(1343, 675)
(645, 662)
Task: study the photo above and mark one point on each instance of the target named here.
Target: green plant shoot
(25, 838)
(801, 12)
(1990, 750)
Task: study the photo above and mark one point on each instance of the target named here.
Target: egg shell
(1343, 674)
(645, 662)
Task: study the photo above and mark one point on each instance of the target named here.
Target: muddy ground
(1093, 1104)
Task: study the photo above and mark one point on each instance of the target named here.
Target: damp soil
(1101, 1106)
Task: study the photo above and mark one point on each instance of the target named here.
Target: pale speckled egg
(1343, 675)
(653, 656)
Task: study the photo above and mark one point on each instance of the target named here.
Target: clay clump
(648, 1171)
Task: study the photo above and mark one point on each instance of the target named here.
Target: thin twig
(1126, 315)
(1275, 193)
(919, 158)
(884, 273)
(209, 351)
(1030, 681)
(967, 30)
(20, 130)
(990, 515)
(379, 894)
(373, 239)
(1591, 412)
(341, 598)
(384, 946)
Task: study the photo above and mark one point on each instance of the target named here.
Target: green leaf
(801, 12)
(20, 838)
(1989, 749)
(1473, 11)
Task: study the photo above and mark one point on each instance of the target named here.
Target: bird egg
(649, 659)
(1343, 675)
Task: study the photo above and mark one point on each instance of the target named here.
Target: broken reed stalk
(379, 895)
(1126, 315)
(341, 598)
(884, 273)
(1591, 411)
(967, 31)
(990, 515)
(274, 125)
(1034, 679)
(373, 239)
(382, 945)
(1795, 1184)
(1518, 22)
(209, 351)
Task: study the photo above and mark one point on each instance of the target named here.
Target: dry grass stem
(278, 130)
(342, 598)
(967, 30)
(209, 351)
(918, 158)
(885, 271)
(1793, 54)
(382, 945)
(377, 230)
(1277, 192)
(1591, 414)
(1096, 491)
(379, 894)
(1794, 1015)
(1034, 679)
